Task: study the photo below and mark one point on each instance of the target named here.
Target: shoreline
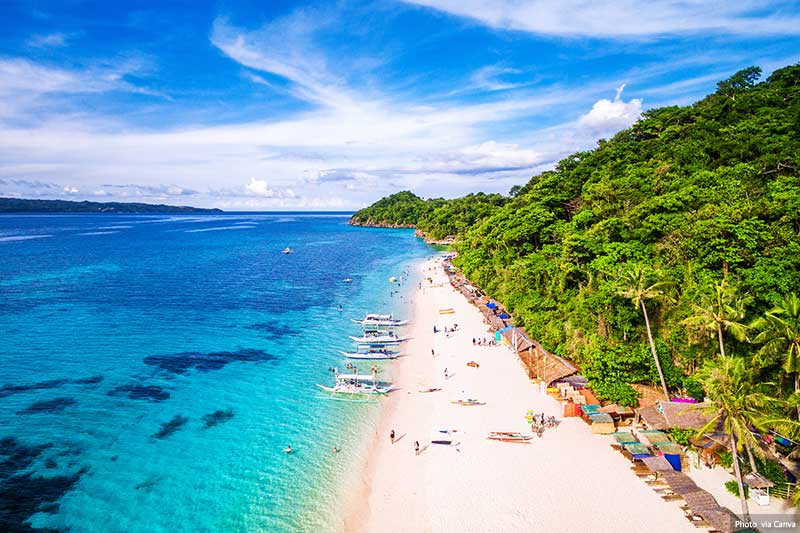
(567, 480)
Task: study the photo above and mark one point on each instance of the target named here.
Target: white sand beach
(569, 480)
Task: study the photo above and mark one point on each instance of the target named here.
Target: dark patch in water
(168, 428)
(92, 380)
(22, 495)
(272, 330)
(8, 390)
(181, 363)
(114, 458)
(50, 463)
(148, 483)
(152, 393)
(25, 495)
(217, 417)
(18, 456)
(56, 405)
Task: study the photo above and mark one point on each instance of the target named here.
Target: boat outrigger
(509, 436)
(357, 384)
(379, 320)
(376, 355)
(379, 338)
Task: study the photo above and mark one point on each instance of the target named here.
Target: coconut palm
(722, 310)
(634, 282)
(779, 335)
(735, 404)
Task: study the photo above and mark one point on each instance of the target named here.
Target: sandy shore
(569, 480)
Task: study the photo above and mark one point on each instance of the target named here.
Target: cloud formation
(623, 18)
(607, 116)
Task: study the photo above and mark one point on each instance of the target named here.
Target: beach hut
(759, 487)
(602, 423)
(668, 415)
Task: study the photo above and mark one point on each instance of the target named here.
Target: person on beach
(433, 354)
(335, 449)
(445, 374)
(416, 447)
(391, 436)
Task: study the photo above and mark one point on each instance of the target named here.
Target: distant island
(23, 205)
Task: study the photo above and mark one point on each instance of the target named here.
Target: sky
(278, 105)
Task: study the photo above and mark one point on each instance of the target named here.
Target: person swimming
(288, 449)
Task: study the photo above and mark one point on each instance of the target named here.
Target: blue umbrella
(491, 305)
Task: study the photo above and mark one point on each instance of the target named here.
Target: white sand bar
(569, 480)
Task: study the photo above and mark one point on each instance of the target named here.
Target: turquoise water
(153, 368)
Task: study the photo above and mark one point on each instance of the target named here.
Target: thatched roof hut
(541, 363)
(668, 415)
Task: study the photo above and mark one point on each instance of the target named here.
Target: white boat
(380, 320)
(357, 384)
(287, 250)
(371, 355)
(385, 338)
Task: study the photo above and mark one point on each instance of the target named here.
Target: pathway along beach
(569, 480)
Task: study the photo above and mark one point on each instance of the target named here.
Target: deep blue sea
(153, 368)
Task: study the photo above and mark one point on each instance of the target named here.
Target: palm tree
(735, 404)
(779, 333)
(635, 285)
(721, 310)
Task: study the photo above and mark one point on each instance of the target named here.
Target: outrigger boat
(379, 320)
(357, 384)
(379, 338)
(509, 436)
(468, 402)
(376, 355)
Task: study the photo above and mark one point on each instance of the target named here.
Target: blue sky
(292, 105)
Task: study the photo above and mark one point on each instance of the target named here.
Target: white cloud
(262, 188)
(623, 18)
(49, 40)
(608, 116)
(70, 190)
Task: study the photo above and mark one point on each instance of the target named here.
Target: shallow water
(152, 368)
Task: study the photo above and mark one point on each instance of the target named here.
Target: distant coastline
(23, 205)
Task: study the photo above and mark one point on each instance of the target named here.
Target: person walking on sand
(416, 447)
(433, 354)
(445, 374)
(391, 436)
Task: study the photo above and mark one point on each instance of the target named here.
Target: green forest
(685, 227)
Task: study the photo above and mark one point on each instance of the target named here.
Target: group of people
(483, 342)
(416, 442)
(540, 422)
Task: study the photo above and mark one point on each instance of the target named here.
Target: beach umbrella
(504, 316)
(491, 305)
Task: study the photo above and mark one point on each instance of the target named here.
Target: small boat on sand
(432, 389)
(469, 402)
(509, 436)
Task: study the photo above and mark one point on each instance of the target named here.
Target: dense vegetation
(686, 196)
(21, 205)
(669, 255)
(435, 218)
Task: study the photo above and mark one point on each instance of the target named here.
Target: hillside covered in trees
(22, 205)
(689, 219)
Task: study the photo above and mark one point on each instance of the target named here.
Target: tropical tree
(722, 310)
(736, 404)
(634, 284)
(779, 333)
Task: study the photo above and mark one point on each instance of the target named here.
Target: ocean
(154, 367)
